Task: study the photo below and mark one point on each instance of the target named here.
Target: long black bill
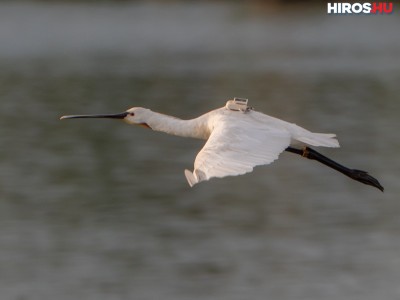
(108, 116)
(358, 175)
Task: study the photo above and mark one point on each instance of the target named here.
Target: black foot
(365, 178)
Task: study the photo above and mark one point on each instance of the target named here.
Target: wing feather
(236, 145)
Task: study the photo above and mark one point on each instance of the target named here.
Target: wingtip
(191, 179)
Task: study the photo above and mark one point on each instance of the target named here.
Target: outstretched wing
(237, 144)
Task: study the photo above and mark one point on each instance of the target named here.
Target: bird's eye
(131, 114)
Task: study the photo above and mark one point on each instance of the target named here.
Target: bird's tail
(319, 139)
(299, 134)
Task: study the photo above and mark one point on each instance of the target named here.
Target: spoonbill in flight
(238, 139)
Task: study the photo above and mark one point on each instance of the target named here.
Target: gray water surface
(97, 209)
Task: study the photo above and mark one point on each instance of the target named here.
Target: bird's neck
(194, 128)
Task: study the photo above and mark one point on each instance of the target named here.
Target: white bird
(238, 139)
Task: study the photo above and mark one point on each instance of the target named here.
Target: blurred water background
(93, 209)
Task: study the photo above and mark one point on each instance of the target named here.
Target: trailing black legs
(358, 175)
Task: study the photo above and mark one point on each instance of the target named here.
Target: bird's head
(137, 116)
(134, 115)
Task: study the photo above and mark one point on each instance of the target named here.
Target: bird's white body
(237, 140)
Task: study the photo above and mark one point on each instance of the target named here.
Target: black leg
(358, 175)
